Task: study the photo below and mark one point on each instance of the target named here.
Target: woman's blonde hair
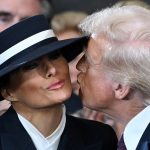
(67, 20)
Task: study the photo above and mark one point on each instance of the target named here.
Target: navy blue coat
(144, 143)
(79, 134)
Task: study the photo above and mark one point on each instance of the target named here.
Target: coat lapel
(144, 143)
(12, 134)
(16, 142)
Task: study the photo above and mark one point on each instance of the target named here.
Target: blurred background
(88, 6)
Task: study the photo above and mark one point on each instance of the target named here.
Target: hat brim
(70, 48)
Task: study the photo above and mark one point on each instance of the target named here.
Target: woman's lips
(56, 85)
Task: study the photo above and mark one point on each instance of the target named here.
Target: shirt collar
(41, 143)
(135, 129)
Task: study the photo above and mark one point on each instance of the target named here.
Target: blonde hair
(126, 58)
(67, 20)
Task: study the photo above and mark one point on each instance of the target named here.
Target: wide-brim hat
(31, 39)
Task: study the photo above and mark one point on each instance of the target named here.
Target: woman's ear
(5, 94)
(121, 91)
(8, 95)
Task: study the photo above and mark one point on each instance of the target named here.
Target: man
(115, 70)
(13, 11)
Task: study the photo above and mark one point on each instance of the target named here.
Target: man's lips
(56, 85)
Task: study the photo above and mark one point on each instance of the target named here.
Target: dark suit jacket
(144, 143)
(73, 104)
(79, 134)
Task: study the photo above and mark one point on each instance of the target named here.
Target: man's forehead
(94, 50)
(14, 5)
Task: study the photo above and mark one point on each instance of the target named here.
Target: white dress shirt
(135, 129)
(41, 143)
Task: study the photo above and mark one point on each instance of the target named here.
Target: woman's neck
(46, 120)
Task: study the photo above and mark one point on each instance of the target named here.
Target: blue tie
(121, 144)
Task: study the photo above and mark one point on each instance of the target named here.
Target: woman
(34, 76)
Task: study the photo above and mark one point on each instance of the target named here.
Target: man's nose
(81, 64)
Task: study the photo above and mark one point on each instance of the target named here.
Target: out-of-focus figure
(13, 11)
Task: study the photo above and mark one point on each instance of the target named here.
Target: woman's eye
(54, 55)
(30, 66)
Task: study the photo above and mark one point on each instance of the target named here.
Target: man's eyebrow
(5, 13)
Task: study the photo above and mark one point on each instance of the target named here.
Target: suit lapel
(16, 142)
(12, 133)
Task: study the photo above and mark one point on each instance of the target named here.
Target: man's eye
(54, 55)
(4, 19)
(30, 66)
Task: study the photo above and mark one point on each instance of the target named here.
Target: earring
(13, 99)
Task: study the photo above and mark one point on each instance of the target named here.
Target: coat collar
(144, 143)
(71, 139)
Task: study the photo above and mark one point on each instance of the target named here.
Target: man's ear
(121, 91)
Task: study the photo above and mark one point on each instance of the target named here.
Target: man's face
(95, 86)
(13, 11)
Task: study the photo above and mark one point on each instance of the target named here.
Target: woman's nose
(51, 72)
(49, 68)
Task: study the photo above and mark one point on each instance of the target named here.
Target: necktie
(121, 144)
